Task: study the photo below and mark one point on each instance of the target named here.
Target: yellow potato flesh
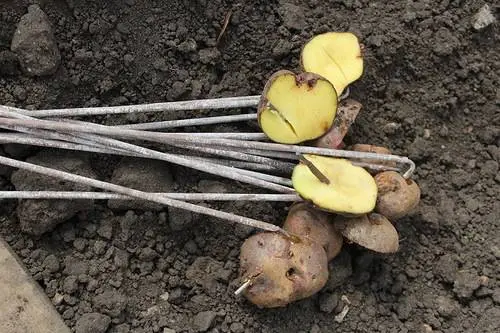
(298, 112)
(335, 56)
(352, 190)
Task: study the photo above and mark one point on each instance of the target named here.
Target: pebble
(70, 284)
(483, 18)
(92, 323)
(204, 320)
(446, 307)
(466, 282)
(35, 44)
(237, 327)
(51, 263)
(110, 302)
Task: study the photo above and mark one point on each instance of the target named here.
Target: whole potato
(396, 196)
(306, 221)
(281, 271)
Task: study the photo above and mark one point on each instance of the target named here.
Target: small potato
(396, 196)
(281, 271)
(306, 221)
(373, 149)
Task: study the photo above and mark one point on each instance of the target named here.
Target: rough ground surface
(430, 91)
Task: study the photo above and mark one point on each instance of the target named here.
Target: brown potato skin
(263, 98)
(346, 115)
(397, 196)
(306, 221)
(367, 148)
(372, 231)
(281, 271)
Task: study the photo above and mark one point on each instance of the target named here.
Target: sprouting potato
(346, 115)
(296, 107)
(347, 189)
(306, 221)
(397, 196)
(372, 231)
(335, 56)
(281, 270)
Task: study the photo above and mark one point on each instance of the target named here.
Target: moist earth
(429, 91)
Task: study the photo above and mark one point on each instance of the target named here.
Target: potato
(337, 56)
(397, 196)
(296, 108)
(373, 149)
(341, 187)
(372, 231)
(346, 115)
(280, 270)
(308, 222)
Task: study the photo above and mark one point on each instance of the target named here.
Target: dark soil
(430, 91)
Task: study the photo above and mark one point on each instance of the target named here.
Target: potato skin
(306, 221)
(373, 149)
(346, 115)
(396, 196)
(281, 271)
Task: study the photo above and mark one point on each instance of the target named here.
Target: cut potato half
(296, 108)
(335, 56)
(350, 189)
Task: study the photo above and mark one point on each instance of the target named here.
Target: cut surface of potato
(372, 231)
(397, 196)
(281, 271)
(335, 56)
(306, 221)
(346, 115)
(351, 189)
(296, 107)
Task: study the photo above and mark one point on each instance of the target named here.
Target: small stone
(483, 18)
(168, 330)
(35, 44)
(70, 284)
(51, 263)
(466, 282)
(148, 254)
(123, 28)
(328, 302)
(187, 46)
(106, 229)
(281, 49)
(446, 307)
(111, 303)
(39, 216)
(8, 63)
(164, 296)
(19, 93)
(68, 314)
(209, 56)
(204, 320)
(80, 244)
(153, 176)
(92, 323)
(445, 42)
(237, 327)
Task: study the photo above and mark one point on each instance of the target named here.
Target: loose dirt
(429, 91)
